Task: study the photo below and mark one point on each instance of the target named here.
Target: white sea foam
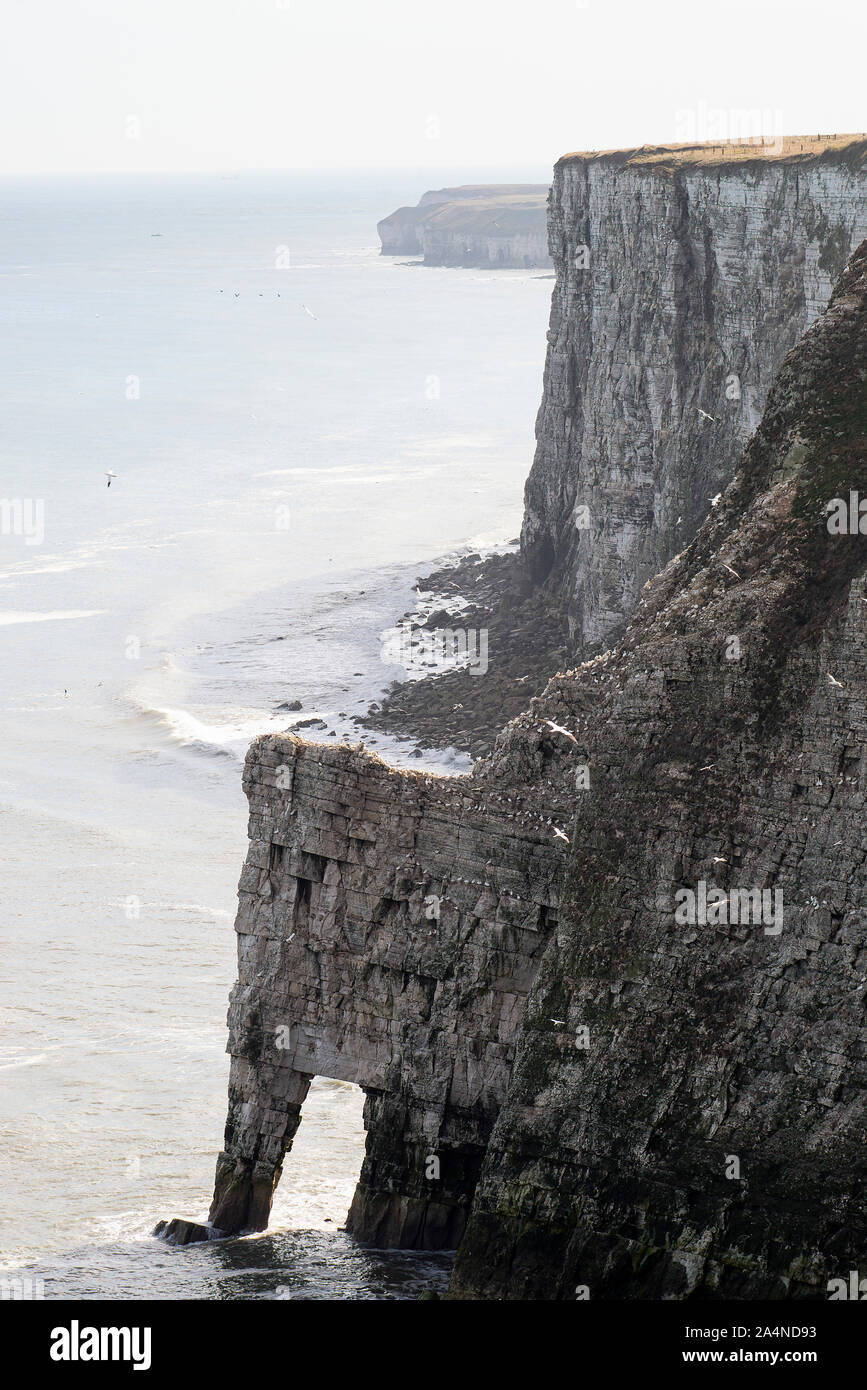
(218, 739)
(11, 619)
(24, 1062)
(55, 567)
(198, 907)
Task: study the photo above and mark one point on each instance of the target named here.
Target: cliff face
(687, 1108)
(389, 928)
(606, 996)
(495, 226)
(622, 1101)
(683, 277)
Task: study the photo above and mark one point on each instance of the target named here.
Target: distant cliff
(684, 276)
(490, 225)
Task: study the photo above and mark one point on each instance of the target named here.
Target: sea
(233, 436)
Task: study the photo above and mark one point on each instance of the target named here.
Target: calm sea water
(299, 427)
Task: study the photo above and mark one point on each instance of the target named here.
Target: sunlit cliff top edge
(748, 149)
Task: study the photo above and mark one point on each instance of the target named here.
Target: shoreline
(525, 641)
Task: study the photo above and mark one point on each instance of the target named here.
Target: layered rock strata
(684, 275)
(388, 932)
(625, 1104)
(708, 1138)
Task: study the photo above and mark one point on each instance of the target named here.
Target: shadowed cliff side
(686, 1114)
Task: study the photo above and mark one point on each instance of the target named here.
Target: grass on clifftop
(774, 148)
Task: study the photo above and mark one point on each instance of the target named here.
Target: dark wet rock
(465, 709)
(181, 1232)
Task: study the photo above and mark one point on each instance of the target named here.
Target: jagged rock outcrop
(490, 225)
(585, 1069)
(710, 1138)
(684, 274)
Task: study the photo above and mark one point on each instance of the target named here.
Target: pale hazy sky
(280, 84)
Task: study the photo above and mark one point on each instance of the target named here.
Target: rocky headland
(606, 994)
(496, 226)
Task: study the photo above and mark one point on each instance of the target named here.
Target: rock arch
(389, 929)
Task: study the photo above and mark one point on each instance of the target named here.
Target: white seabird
(558, 729)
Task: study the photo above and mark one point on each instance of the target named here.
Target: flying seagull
(558, 729)
(560, 836)
(730, 570)
(110, 475)
(834, 681)
(308, 311)
(705, 414)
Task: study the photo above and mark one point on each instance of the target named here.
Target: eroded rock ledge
(583, 1067)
